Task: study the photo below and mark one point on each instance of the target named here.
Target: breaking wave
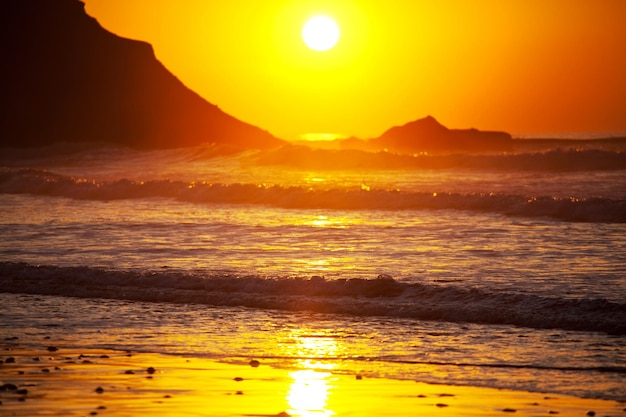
(382, 296)
(42, 182)
(562, 157)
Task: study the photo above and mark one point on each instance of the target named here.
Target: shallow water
(578, 363)
(557, 259)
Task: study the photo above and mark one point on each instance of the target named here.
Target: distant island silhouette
(428, 135)
(64, 78)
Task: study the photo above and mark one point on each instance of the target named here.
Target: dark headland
(63, 78)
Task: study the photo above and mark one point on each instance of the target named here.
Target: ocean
(504, 271)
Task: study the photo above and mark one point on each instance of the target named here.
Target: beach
(86, 382)
(406, 210)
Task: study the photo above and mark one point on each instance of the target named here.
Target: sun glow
(320, 33)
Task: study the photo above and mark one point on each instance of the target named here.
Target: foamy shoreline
(82, 382)
(382, 296)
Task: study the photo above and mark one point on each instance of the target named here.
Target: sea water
(504, 271)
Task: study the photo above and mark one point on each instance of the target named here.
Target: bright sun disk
(320, 33)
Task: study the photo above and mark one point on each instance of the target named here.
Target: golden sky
(523, 66)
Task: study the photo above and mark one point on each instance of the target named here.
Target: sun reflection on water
(308, 394)
(312, 384)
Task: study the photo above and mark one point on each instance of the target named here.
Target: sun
(320, 33)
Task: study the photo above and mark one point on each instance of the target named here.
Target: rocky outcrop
(63, 78)
(428, 135)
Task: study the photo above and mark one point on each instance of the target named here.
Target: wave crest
(382, 296)
(41, 182)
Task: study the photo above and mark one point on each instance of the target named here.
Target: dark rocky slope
(63, 78)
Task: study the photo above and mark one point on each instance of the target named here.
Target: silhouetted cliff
(428, 135)
(63, 78)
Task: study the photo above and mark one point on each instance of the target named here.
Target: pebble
(22, 391)
(8, 387)
(99, 390)
(359, 377)
(441, 405)
(254, 363)
(151, 370)
(52, 349)
(238, 379)
(591, 413)
(10, 360)
(45, 370)
(510, 410)
(129, 372)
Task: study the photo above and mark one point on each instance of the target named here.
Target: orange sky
(522, 66)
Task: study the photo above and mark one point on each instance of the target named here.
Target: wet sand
(72, 382)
